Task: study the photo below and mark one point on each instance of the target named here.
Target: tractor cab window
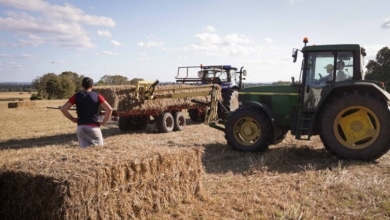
(320, 68)
(319, 72)
(344, 66)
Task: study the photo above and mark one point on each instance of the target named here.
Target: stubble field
(292, 180)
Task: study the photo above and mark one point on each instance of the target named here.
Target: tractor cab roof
(224, 67)
(331, 47)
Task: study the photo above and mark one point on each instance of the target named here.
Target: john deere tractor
(351, 115)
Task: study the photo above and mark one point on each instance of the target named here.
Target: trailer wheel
(180, 121)
(165, 122)
(356, 126)
(124, 124)
(140, 123)
(247, 129)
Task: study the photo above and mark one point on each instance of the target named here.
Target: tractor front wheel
(356, 126)
(247, 129)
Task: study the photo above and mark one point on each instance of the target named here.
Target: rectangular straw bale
(21, 104)
(98, 183)
(127, 101)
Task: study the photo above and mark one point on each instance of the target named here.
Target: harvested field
(292, 180)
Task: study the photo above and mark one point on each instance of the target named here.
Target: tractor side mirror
(295, 54)
(244, 73)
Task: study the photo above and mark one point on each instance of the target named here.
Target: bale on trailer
(98, 183)
(124, 98)
(137, 105)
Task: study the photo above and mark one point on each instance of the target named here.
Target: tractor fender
(347, 87)
(366, 87)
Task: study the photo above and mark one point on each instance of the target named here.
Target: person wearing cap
(341, 73)
(87, 107)
(329, 71)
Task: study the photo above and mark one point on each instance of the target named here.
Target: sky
(150, 39)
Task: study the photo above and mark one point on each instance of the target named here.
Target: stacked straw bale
(21, 104)
(122, 98)
(98, 183)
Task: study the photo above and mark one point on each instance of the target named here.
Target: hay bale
(98, 183)
(21, 104)
(122, 98)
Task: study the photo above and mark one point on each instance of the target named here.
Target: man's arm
(107, 112)
(65, 111)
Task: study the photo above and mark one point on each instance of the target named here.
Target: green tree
(379, 69)
(135, 80)
(113, 80)
(39, 84)
(53, 88)
(75, 78)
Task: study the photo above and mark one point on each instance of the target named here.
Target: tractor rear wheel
(165, 122)
(247, 129)
(356, 126)
(180, 121)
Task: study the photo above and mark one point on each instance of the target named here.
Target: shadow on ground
(220, 158)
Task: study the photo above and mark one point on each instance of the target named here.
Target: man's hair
(87, 83)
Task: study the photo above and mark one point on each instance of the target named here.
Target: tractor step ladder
(304, 125)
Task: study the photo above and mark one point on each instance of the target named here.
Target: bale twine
(98, 183)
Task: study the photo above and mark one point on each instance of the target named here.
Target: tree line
(51, 86)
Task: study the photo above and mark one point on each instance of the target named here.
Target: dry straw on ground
(98, 183)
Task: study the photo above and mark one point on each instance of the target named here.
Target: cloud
(104, 33)
(150, 44)
(116, 43)
(268, 40)
(212, 44)
(37, 22)
(209, 29)
(105, 52)
(386, 24)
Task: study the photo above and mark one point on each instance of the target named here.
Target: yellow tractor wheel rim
(247, 131)
(356, 127)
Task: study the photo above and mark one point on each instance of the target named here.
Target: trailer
(136, 106)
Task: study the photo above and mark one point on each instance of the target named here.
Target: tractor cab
(327, 66)
(224, 75)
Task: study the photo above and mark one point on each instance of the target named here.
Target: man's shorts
(89, 136)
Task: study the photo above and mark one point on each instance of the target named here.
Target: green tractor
(350, 114)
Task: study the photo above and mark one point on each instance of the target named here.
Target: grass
(292, 180)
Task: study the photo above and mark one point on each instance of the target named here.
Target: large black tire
(230, 99)
(165, 122)
(124, 124)
(140, 122)
(195, 116)
(247, 129)
(356, 126)
(180, 121)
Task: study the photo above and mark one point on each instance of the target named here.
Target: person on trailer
(87, 107)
